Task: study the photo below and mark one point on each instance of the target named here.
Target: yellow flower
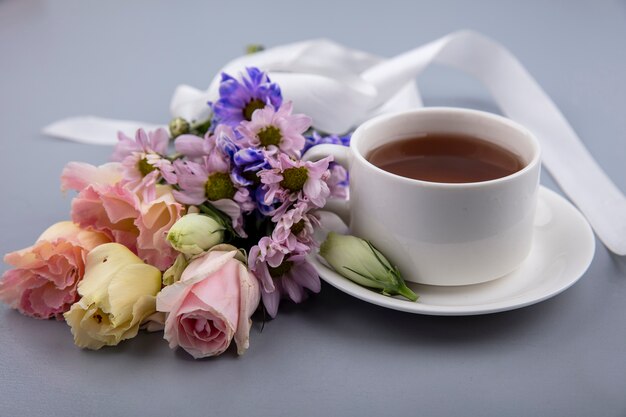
(118, 292)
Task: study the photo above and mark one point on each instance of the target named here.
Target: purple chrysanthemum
(143, 160)
(276, 129)
(295, 228)
(239, 99)
(290, 180)
(338, 182)
(208, 181)
(288, 279)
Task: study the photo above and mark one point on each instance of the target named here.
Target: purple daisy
(239, 99)
(289, 279)
(209, 181)
(290, 180)
(143, 161)
(151, 142)
(294, 229)
(276, 130)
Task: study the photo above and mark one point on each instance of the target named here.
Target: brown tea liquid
(446, 157)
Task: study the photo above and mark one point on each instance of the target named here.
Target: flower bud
(193, 234)
(359, 261)
(253, 48)
(179, 126)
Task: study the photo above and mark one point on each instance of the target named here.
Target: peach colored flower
(107, 204)
(155, 219)
(78, 175)
(110, 209)
(43, 283)
(211, 304)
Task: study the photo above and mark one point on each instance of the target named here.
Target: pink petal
(249, 296)
(271, 301)
(78, 175)
(189, 145)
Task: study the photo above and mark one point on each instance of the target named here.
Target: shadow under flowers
(339, 315)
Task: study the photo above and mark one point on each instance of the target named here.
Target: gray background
(334, 355)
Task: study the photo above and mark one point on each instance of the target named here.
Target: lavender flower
(239, 99)
(208, 180)
(294, 229)
(282, 274)
(143, 161)
(276, 130)
(289, 180)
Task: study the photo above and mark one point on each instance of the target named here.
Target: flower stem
(406, 292)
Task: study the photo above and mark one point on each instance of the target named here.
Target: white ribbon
(341, 87)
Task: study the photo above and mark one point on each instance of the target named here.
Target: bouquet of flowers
(190, 230)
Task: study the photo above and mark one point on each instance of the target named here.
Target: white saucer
(563, 247)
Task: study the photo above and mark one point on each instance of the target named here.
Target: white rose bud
(195, 233)
(359, 261)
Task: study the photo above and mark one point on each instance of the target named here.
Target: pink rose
(211, 304)
(43, 283)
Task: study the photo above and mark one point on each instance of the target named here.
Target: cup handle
(341, 155)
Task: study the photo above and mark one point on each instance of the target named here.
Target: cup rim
(453, 110)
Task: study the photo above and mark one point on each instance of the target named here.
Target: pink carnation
(125, 216)
(110, 209)
(43, 283)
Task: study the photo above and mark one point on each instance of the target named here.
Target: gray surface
(334, 355)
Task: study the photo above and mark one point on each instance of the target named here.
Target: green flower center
(298, 227)
(251, 107)
(145, 167)
(219, 186)
(280, 270)
(270, 135)
(294, 178)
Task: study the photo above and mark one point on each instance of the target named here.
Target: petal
(100, 267)
(306, 276)
(220, 292)
(74, 317)
(271, 300)
(171, 296)
(159, 140)
(249, 296)
(189, 145)
(205, 265)
(127, 286)
(78, 175)
(294, 291)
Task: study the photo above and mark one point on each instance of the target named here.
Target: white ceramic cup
(440, 233)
